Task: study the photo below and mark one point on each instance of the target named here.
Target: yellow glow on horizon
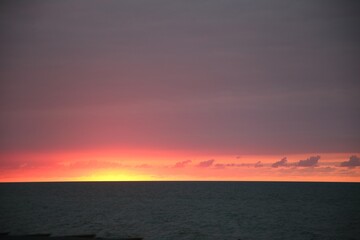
(113, 175)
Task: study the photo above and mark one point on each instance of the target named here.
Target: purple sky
(231, 77)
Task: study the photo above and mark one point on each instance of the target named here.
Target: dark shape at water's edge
(47, 236)
(40, 235)
(83, 236)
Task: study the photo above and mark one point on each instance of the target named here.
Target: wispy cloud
(353, 161)
(310, 162)
(205, 164)
(223, 165)
(182, 164)
(281, 163)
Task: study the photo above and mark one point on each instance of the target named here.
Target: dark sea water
(184, 210)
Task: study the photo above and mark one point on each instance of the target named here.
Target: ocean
(184, 210)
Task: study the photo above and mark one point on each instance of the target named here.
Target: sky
(179, 90)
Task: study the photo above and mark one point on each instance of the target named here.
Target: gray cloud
(353, 161)
(280, 163)
(220, 165)
(310, 162)
(182, 164)
(205, 164)
(223, 165)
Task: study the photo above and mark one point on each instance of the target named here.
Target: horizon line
(127, 181)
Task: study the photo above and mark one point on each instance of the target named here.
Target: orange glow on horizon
(116, 165)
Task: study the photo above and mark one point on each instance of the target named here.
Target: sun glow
(115, 175)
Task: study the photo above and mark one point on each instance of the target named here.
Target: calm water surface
(184, 210)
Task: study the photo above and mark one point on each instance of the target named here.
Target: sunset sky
(180, 90)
